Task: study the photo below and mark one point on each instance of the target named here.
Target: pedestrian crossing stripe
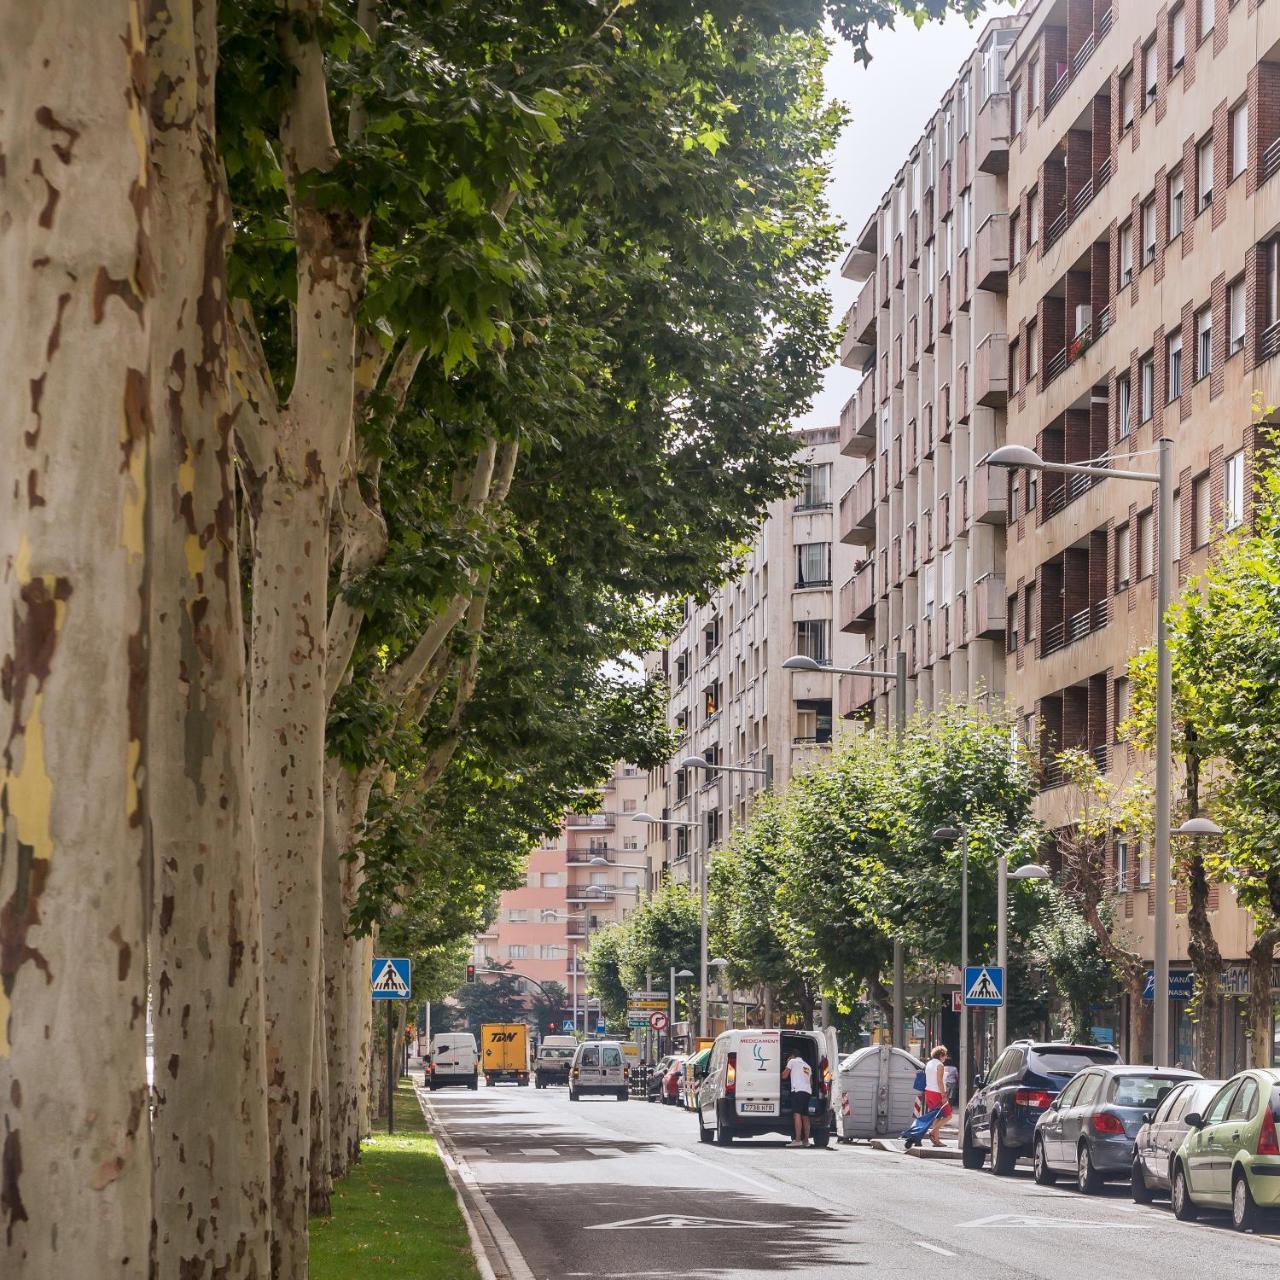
(390, 979)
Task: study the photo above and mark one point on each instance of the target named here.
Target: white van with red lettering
(745, 1092)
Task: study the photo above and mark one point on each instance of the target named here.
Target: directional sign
(390, 978)
(647, 1003)
(638, 1024)
(658, 1021)
(984, 986)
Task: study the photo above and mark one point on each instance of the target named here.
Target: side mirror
(979, 1080)
(1195, 1120)
(1148, 1117)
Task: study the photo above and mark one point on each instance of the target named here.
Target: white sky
(889, 103)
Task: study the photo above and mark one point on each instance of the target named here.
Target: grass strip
(395, 1214)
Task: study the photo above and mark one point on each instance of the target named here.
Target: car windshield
(1140, 1090)
(1066, 1062)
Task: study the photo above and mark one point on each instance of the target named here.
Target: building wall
(729, 697)
(928, 330)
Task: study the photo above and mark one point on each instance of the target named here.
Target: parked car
(658, 1076)
(1091, 1126)
(1230, 1157)
(695, 1070)
(745, 1092)
(453, 1060)
(1021, 1085)
(1162, 1135)
(673, 1081)
(599, 1068)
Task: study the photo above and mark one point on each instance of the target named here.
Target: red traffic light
(471, 973)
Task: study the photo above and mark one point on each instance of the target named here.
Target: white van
(453, 1060)
(555, 1055)
(599, 1067)
(744, 1093)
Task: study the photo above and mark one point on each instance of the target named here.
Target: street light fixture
(1019, 456)
(700, 762)
(1198, 827)
(801, 662)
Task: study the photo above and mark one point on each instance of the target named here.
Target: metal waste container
(877, 1092)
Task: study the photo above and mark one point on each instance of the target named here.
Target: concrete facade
(928, 330)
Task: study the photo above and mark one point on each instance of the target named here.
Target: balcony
(864, 313)
(858, 511)
(945, 319)
(858, 600)
(991, 371)
(990, 494)
(858, 421)
(1052, 774)
(1082, 623)
(993, 134)
(589, 820)
(990, 607)
(853, 349)
(992, 254)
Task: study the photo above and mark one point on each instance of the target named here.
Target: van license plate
(767, 1107)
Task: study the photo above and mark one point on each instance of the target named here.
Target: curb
(497, 1255)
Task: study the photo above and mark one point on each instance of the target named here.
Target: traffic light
(471, 973)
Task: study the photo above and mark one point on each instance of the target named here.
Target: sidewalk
(395, 1214)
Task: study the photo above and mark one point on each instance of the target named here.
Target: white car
(599, 1067)
(744, 1093)
(453, 1060)
(554, 1057)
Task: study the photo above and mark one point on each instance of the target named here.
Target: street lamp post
(720, 965)
(898, 676)
(1029, 872)
(1019, 456)
(949, 835)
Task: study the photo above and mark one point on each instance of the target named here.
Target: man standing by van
(800, 1074)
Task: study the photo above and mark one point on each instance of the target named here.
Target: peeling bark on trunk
(209, 1118)
(339, 1045)
(361, 1011)
(1202, 945)
(75, 432)
(1139, 1019)
(1261, 962)
(320, 1171)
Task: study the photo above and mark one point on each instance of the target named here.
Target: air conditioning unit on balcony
(1084, 318)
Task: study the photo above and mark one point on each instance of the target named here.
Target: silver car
(1162, 1135)
(1090, 1128)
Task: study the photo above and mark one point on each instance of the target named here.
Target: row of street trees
(373, 368)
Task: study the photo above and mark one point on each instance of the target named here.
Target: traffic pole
(391, 1072)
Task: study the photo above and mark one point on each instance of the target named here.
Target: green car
(1230, 1157)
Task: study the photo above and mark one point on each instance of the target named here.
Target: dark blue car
(1020, 1087)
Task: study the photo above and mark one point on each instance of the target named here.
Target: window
(1204, 342)
(517, 915)
(517, 951)
(1122, 704)
(711, 637)
(1147, 381)
(817, 485)
(1123, 551)
(1239, 139)
(682, 669)
(1033, 84)
(1015, 238)
(1123, 404)
(1233, 491)
(811, 640)
(1204, 173)
(1173, 359)
(1030, 606)
(1144, 865)
(550, 879)
(1126, 100)
(1175, 205)
(1206, 17)
(1200, 510)
(962, 108)
(1126, 254)
(813, 720)
(1146, 545)
(1011, 625)
(1122, 864)
(550, 951)
(1148, 231)
(600, 878)
(1222, 1099)
(1033, 350)
(1178, 38)
(813, 564)
(711, 699)
(1015, 110)
(1235, 316)
(1245, 1101)
(1015, 367)
(1149, 74)
(1271, 251)
(628, 806)
(1033, 217)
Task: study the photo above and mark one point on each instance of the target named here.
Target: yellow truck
(504, 1052)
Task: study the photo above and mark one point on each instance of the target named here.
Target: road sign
(1182, 984)
(658, 1020)
(638, 1024)
(600, 1028)
(568, 1026)
(390, 978)
(984, 986)
(647, 1003)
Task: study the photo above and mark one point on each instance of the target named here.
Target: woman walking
(935, 1091)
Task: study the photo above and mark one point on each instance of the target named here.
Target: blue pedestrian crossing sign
(984, 986)
(390, 978)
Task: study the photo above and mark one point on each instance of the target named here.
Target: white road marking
(679, 1222)
(539, 1151)
(1070, 1224)
(933, 1248)
(604, 1151)
(732, 1173)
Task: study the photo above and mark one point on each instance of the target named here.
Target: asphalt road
(600, 1188)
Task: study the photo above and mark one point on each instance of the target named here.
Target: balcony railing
(1269, 341)
(1071, 488)
(1059, 88)
(1053, 232)
(1053, 775)
(1084, 53)
(1081, 199)
(1083, 623)
(589, 820)
(1104, 173)
(1271, 160)
(1055, 366)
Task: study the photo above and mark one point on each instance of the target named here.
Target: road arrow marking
(1026, 1220)
(679, 1222)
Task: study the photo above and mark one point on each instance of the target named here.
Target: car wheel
(724, 1135)
(1142, 1193)
(704, 1134)
(1088, 1179)
(1003, 1157)
(1244, 1209)
(1043, 1175)
(970, 1156)
(1184, 1208)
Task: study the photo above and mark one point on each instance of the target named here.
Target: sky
(889, 103)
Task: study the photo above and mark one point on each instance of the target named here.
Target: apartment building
(1142, 248)
(928, 331)
(590, 874)
(730, 700)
